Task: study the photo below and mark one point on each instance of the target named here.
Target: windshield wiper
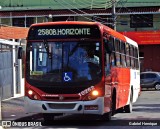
(47, 49)
(73, 50)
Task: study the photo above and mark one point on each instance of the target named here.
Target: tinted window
(142, 76)
(152, 75)
(127, 55)
(148, 75)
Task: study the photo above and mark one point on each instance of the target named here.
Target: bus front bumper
(75, 107)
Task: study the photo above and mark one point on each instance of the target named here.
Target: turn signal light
(92, 95)
(33, 95)
(95, 93)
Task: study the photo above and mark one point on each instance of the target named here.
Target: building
(149, 47)
(11, 71)
(134, 18)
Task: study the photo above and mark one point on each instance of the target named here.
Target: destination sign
(71, 31)
(64, 31)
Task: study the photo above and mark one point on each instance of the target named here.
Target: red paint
(119, 78)
(144, 37)
(121, 81)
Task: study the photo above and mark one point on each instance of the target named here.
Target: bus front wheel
(106, 116)
(48, 117)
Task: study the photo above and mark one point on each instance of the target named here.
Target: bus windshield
(63, 62)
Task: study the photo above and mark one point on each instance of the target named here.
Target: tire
(114, 104)
(128, 108)
(106, 116)
(48, 117)
(157, 86)
(120, 110)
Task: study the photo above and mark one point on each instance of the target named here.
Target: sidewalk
(13, 109)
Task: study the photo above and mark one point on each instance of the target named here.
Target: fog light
(35, 97)
(30, 92)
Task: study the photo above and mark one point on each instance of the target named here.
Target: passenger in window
(124, 61)
(110, 62)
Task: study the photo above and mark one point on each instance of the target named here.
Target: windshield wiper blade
(47, 49)
(73, 50)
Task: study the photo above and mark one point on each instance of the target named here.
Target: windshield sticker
(36, 72)
(67, 76)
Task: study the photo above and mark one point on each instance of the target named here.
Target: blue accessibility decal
(67, 76)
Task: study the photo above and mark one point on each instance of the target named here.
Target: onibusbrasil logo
(7, 124)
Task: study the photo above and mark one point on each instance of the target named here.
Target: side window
(128, 55)
(131, 50)
(148, 75)
(109, 57)
(113, 59)
(152, 76)
(142, 76)
(136, 53)
(107, 64)
(132, 56)
(113, 45)
(117, 45)
(113, 54)
(123, 54)
(136, 56)
(117, 52)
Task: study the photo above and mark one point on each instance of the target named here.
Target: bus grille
(62, 90)
(70, 98)
(61, 106)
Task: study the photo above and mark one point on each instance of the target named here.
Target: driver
(91, 56)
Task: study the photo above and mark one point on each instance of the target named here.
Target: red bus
(80, 68)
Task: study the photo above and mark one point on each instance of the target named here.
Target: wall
(126, 18)
(122, 22)
(151, 57)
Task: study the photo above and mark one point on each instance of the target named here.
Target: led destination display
(71, 31)
(64, 31)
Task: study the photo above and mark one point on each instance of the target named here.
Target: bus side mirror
(20, 51)
(108, 46)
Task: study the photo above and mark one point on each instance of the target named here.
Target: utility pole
(114, 14)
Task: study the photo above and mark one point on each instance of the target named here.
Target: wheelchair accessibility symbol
(67, 76)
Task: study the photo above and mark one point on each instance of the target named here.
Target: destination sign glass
(63, 31)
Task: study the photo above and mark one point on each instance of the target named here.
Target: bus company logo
(61, 98)
(6, 124)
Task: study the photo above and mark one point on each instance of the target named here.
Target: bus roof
(101, 27)
(130, 41)
(66, 23)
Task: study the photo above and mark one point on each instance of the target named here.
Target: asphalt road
(147, 107)
(145, 115)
